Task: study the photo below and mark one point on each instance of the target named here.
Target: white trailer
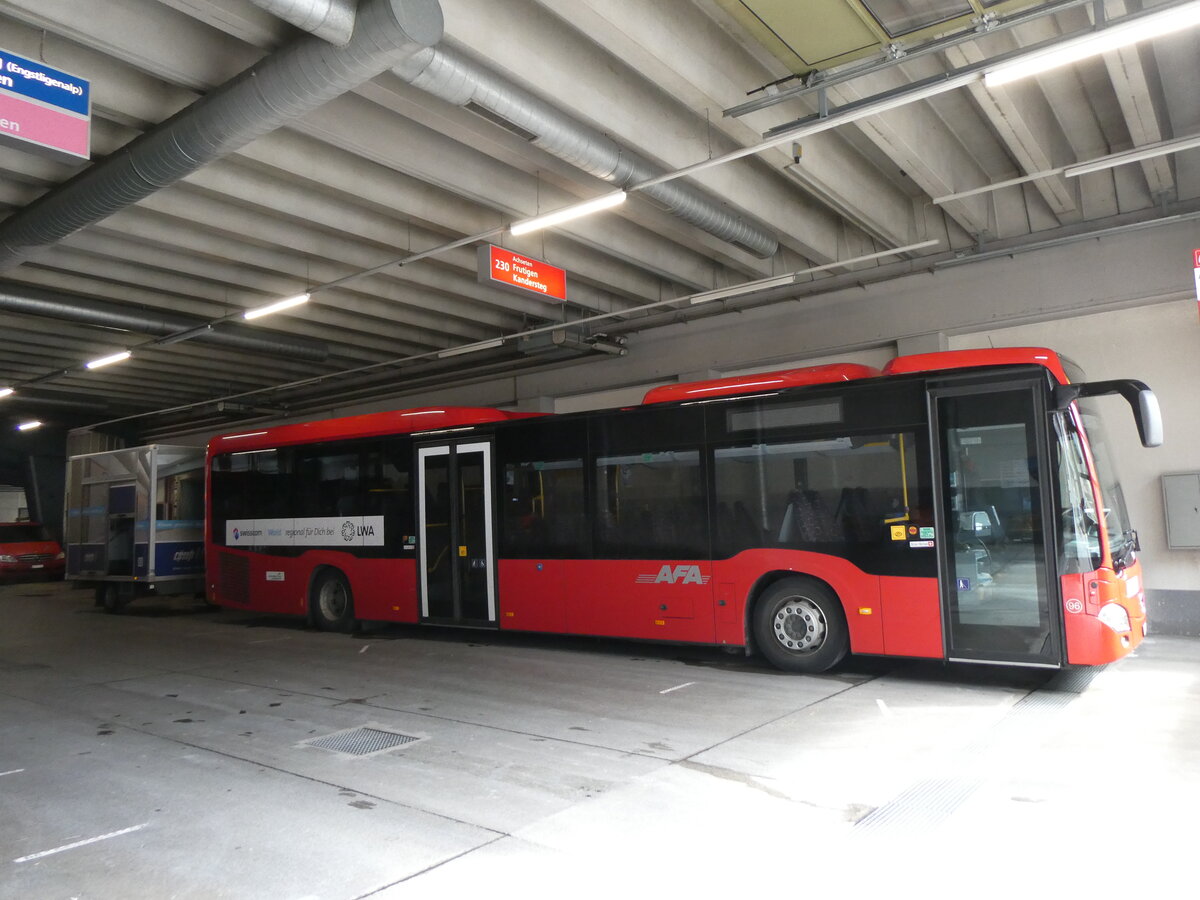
(135, 522)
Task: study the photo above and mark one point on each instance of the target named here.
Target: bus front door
(454, 522)
(993, 504)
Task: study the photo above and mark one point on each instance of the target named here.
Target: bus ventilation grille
(235, 578)
(364, 741)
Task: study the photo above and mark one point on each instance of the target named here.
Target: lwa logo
(350, 531)
(675, 575)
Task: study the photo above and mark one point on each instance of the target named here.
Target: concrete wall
(12, 503)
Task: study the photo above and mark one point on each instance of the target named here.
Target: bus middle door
(456, 557)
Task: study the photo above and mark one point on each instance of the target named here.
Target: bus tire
(799, 626)
(332, 602)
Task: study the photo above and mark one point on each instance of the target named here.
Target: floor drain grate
(363, 741)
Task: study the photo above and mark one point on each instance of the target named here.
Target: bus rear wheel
(799, 626)
(331, 601)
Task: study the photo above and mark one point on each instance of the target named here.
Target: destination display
(503, 268)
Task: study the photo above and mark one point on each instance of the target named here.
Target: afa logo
(236, 534)
(675, 575)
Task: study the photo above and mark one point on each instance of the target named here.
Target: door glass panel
(436, 538)
(997, 596)
(471, 554)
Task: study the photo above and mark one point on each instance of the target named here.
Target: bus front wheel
(799, 626)
(332, 602)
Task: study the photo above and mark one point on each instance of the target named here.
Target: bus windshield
(1112, 498)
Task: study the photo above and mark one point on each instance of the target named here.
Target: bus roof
(401, 421)
(439, 418)
(963, 359)
(762, 381)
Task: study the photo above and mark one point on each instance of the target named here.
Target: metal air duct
(51, 304)
(330, 20)
(279, 88)
(452, 77)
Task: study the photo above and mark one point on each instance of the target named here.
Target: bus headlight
(1115, 617)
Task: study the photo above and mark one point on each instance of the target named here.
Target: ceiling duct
(452, 77)
(50, 304)
(282, 87)
(330, 20)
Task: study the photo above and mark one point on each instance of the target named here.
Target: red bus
(955, 505)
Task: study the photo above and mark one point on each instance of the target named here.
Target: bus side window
(543, 513)
(651, 505)
(387, 491)
(827, 493)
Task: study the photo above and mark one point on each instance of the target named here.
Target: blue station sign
(43, 109)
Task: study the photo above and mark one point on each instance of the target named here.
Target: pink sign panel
(44, 126)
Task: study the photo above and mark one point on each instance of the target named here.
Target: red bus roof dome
(400, 421)
(761, 382)
(961, 359)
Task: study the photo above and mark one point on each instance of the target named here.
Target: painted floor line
(11, 772)
(677, 687)
(84, 843)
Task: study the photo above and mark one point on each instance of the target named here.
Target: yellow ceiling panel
(808, 34)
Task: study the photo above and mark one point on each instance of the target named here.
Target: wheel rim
(800, 626)
(333, 600)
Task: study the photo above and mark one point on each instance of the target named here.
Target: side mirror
(1149, 419)
(1146, 412)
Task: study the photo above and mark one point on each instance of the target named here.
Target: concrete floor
(161, 753)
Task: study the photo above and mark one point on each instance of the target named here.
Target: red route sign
(1196, 272)
(498, 266)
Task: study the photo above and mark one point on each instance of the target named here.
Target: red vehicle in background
(957, 505)
(28, 551)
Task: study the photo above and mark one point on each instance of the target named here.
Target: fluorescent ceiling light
(29, 426)
(1147, 151)
(607, 201)
(753, 287)
(1135, 155)
(1103, 40)
(471, 348)
(6, 392)
(109, 360)
(748, 287)
(278, 306)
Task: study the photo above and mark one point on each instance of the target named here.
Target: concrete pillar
(933, 342)
(535, 404)
(44, 491)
